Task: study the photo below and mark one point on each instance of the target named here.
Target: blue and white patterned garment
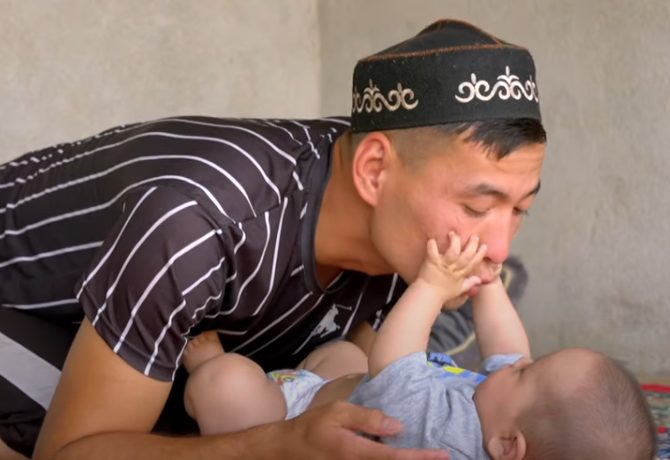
(434, 400)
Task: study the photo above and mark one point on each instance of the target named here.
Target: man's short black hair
(500, 136)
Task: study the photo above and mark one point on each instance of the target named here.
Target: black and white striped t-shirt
(161, 230)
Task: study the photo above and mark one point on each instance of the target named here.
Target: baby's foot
(201, 348)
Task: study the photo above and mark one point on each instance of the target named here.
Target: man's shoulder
(284, 132)
(321, 126)
(260, 160)
(259, 148)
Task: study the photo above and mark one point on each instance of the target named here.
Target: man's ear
(507, 447)
(370, 162)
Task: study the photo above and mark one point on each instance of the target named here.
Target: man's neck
(342, 234)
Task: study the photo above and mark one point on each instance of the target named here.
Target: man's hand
(330, 432)
(104, 409)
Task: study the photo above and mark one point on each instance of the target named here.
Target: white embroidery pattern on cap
(373, 100)
(507, 86)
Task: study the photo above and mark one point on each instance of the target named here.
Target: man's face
(460, 189)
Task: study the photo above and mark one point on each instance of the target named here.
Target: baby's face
(507, 393)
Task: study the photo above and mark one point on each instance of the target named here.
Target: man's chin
(474, 291)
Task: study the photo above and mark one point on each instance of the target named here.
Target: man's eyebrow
(489, 190)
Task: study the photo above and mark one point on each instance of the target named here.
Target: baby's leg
(343, 364)
(339, 389)
(336, 359)
(200, 349)
(228, 393)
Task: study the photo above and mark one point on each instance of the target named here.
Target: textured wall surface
(69, 68)
(596, 242)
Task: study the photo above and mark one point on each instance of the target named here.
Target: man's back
(226, 207)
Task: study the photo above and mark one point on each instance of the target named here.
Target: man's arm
(497, 324)
(105, 409)
(98, 392)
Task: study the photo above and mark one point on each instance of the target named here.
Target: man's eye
(520, 212)
(474, 212)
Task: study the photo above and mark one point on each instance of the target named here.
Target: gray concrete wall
(69, 68)
(596, 242)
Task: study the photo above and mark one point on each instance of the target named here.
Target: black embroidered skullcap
(451, 72)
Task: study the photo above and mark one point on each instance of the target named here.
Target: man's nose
(498, 241)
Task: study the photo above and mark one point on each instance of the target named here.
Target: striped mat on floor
(659, 401)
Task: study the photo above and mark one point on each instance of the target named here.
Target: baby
(572, 404)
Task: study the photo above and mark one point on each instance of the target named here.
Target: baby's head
(573, 404)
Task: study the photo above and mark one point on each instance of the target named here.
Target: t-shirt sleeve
(434, 414)
(496, 362)
(161, 268)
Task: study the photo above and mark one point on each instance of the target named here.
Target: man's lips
(475, 289)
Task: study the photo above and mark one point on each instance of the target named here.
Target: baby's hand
(450, 272)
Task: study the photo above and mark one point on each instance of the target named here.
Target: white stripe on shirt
(154, 281)
(104, 258)
(254, 273)
(47, 254)
(274, 258)
(139, 243)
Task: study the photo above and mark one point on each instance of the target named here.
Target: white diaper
(299, 387)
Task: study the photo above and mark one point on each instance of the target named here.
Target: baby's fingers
(476, 259)
(469, 252)
(432, 252)
(454, 249)
(470, 282)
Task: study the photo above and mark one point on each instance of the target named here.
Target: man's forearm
(497, 324)
(255, 443)
(326, 432)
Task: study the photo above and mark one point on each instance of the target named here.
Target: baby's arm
(497, 324)
(406, 330)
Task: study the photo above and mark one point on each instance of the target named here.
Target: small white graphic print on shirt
(328, 325)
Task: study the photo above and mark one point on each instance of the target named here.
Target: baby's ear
(511, 446)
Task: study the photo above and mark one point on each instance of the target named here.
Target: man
(280, 234)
